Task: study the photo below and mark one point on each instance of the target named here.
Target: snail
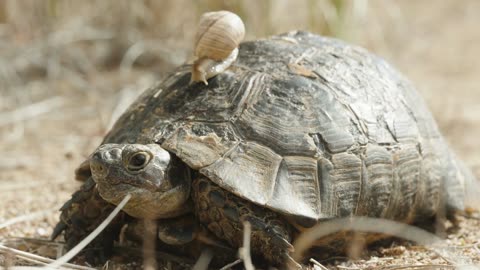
(216, 44)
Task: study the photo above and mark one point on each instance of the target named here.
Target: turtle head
(158, 181)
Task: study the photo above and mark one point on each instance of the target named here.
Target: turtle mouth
(144, 203)
(125, 185)
(139, 184)
(114, 193)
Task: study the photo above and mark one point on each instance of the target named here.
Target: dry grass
(68, 68)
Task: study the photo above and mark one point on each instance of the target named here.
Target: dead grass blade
(347, 268)
(41, 247)
(28, 217)
(244, 251)
(388, 227)
(362, 224)
(74, 251)
(31, 111)
(230, 265)
(18, 240)
(423, 267)
(135, 51)
(32, 261)
(150, 234)
(38, 259)
(204, 260)
(319, 265)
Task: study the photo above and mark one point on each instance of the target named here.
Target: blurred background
(68, 68)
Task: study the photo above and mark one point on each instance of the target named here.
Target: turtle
(300, 129)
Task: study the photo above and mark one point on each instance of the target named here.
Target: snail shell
(218, 36)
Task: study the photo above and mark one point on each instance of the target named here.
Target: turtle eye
(138, 161)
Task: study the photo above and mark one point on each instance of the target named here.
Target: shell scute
(355, 139)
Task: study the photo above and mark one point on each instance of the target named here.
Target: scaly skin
(81, 215)
(223, 214)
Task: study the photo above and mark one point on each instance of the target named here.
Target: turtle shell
(307, 126)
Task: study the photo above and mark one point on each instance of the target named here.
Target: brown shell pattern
(349, 137)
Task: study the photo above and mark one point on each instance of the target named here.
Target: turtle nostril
(97, 167)
(100, 168)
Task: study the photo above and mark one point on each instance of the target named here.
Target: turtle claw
(81, 215)
(291, 263)
(282, 243)
(66, 205)
(59, 228)
(177, 231)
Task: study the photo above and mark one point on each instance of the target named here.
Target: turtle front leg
(81, 215)
(177, 231)
(223, 214)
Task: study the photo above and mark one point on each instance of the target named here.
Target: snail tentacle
(204, 68)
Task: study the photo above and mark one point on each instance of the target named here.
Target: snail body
(216, 44)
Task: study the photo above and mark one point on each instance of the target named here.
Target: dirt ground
(60, 93)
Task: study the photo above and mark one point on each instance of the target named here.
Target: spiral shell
(218, 34)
